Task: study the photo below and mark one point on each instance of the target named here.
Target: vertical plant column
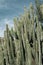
(18, 52)
(38, 38)
(27, 45)
(28, 54)
(1, 53)
(36, 51)
(9, 51)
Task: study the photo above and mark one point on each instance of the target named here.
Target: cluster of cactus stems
(23, 44)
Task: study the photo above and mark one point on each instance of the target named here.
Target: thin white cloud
(9, 22)
(1, 32)
(3, 27)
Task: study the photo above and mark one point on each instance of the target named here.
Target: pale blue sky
(9, 9)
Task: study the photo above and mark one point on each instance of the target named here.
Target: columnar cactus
(23, 44)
